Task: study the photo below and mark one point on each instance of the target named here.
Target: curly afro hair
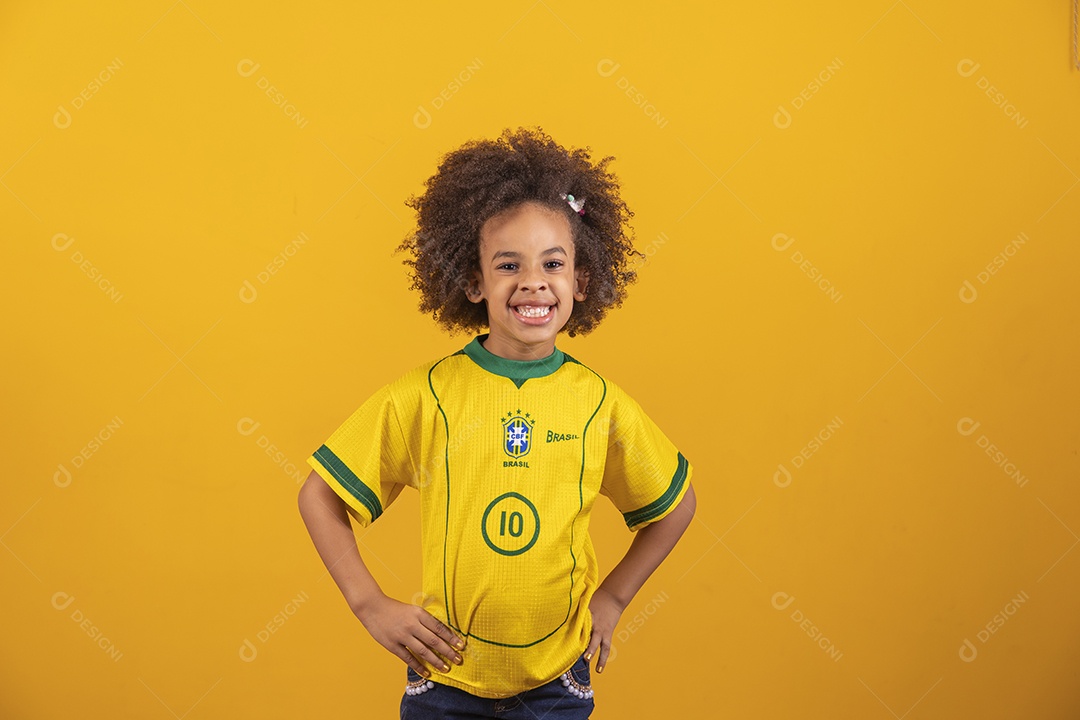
(483, 178)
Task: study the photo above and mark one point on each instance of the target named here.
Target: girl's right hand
(411, 633)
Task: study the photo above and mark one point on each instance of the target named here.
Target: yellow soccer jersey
(508, 457)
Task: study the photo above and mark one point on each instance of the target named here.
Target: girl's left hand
(605, 610)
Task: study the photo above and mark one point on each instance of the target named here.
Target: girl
(509, 442)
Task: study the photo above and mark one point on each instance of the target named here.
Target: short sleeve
(645, 475)
(366, 460)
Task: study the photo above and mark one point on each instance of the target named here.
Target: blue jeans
(553, 701)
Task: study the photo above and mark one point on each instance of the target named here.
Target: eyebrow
(513, 254)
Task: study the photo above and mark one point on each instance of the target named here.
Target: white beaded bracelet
(575, 688)
(416, 687)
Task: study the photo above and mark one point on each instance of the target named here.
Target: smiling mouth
(533, 311)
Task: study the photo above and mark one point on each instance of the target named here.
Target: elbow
(689, 503)
(303, 498)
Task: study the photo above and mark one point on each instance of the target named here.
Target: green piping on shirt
(446, 463)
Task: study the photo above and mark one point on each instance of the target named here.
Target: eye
(552, 264)
(507, 266)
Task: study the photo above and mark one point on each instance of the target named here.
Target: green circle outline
(496, 501)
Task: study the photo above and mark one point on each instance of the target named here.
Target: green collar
(517, 370)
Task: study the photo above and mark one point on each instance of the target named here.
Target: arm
(407, 631)
(651, 545)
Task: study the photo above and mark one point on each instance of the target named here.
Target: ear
(581, 281)
(474, 288)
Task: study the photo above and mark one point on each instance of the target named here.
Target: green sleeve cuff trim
(657, 508)
(349, 481)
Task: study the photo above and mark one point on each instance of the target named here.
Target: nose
(533, 279)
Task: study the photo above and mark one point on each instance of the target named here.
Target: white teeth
(533, 311)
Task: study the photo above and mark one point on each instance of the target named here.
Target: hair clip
(577, 205)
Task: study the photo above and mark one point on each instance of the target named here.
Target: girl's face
(528, 280)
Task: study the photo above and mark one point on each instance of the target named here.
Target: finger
(438, 637)
(594, 645)
(446, 634)
(605, 647)
(419, 647)
(409, 659)
(438, 646)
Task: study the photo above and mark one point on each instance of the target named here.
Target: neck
(516, 350)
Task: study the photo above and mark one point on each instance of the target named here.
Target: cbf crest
(517, 433)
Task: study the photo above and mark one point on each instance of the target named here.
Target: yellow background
(861, 584)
